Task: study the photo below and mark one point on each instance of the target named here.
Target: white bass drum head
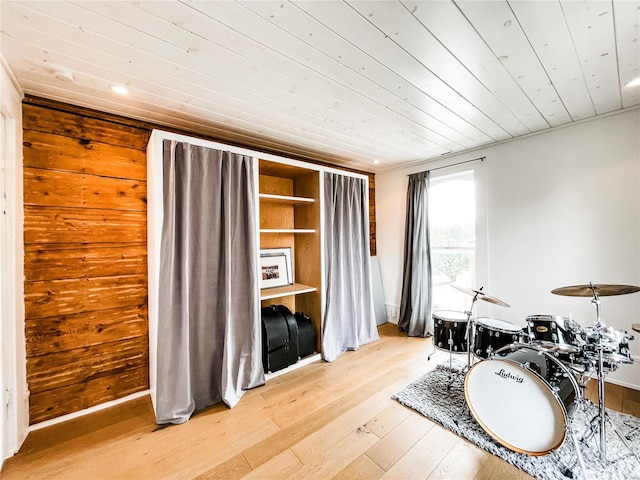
(515, 406)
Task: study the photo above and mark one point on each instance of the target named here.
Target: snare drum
(552, 332)
(522, 379)
(492, 334)
(449, 331)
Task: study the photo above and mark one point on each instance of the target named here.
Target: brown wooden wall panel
(86, 363)
(83, 127)
(66, 332)
(65, 297)
(373, 248)
(62, 261)
(69, 189)
(78, 396)
(47, 225)
(85, 235)
(56, 152)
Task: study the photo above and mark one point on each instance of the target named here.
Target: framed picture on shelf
(275, 267)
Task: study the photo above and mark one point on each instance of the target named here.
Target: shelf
(287, 230)
(285, 199)
(295, 289)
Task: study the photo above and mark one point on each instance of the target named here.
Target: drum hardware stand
(601, 417)
(470, 326)
(467, 336)
(452, 377)
(599, 347)
(580, 458)
(594, 291)
(591, 429)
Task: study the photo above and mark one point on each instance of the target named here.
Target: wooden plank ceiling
(345, 82)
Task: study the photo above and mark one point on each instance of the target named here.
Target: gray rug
(429, 396)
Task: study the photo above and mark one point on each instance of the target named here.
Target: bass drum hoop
(540, 381)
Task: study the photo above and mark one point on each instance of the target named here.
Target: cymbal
(601, 289)
(481, 295)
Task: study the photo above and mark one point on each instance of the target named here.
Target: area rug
(430, 396)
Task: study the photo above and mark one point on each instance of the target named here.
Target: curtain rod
(482, 159)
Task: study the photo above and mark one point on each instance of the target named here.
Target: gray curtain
(415, 306)
(209, 330)
(349, 318)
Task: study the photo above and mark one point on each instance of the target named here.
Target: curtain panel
(415, 305)
(209, 346)
(349, 318)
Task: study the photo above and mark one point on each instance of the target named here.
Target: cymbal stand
(600, 367)
(467, 336)
(601, 417)
(470, 324)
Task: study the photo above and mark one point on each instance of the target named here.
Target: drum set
(523, 385)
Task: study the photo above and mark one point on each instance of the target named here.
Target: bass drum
(523, 398)
(449, 331)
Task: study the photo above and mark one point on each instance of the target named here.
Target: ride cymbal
(600, 289)
(481, 295)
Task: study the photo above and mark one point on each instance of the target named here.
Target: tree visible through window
(452, 225)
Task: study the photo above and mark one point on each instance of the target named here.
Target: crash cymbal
(481, 295)
(601, 289)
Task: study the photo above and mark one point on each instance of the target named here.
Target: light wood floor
(321, 421)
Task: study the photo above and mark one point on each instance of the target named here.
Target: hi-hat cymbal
(481, 295)
(600, 289)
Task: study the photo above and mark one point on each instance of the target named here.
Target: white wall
(13, 379)
(562, 208)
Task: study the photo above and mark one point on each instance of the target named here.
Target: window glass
(452, 225)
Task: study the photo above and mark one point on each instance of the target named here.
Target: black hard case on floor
(306, 335)
(285, 337)
(279, 338)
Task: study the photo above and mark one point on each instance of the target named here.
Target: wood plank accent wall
(86, 255)
(85, 260)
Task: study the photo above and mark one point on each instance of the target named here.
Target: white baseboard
(87, 411)
(295, 366)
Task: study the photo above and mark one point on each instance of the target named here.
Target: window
(452, 224)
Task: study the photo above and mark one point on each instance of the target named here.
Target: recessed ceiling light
(375, 162)
(119, 89)
(633, 83)
(63, 75)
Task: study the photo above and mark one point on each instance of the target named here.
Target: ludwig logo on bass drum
(502, 373)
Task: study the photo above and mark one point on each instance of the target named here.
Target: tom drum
(493, 334)
(553, 332)
(614, 343)
(523, 398)
(449, 331)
